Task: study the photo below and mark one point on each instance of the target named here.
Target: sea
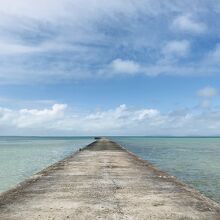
(21, 157)
(193, 160)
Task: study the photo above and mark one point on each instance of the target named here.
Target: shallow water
(21, 157)
(194, 160)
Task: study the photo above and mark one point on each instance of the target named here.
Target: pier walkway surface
(104, 181)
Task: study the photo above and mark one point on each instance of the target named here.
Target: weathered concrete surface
(104, 181)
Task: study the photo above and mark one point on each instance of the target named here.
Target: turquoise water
(21, 157)
(195, 161)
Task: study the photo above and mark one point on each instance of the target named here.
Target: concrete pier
(104, 181)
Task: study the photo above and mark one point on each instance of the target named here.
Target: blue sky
(98, 67)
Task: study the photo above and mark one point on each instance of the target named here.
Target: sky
(119, 67)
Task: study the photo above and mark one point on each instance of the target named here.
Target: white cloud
(119, 121)
(66, 40)
(186, 23)
(46, 40)
(176, 49)
(169, 64)
(207, 92)
(16, 49)
(214, 56)
(57, 119)
(206, 103)
(146, 113)
(125, 66)
(31, 118)
(37, 9)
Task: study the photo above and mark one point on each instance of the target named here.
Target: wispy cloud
(207, 92)
(125, 66)
(176, 49)
(187, 23)
(47, 41)
(214, 55)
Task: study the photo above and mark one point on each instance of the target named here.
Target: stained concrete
(104, 181)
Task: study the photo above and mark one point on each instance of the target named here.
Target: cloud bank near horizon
(60, 119)
(52, 41)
